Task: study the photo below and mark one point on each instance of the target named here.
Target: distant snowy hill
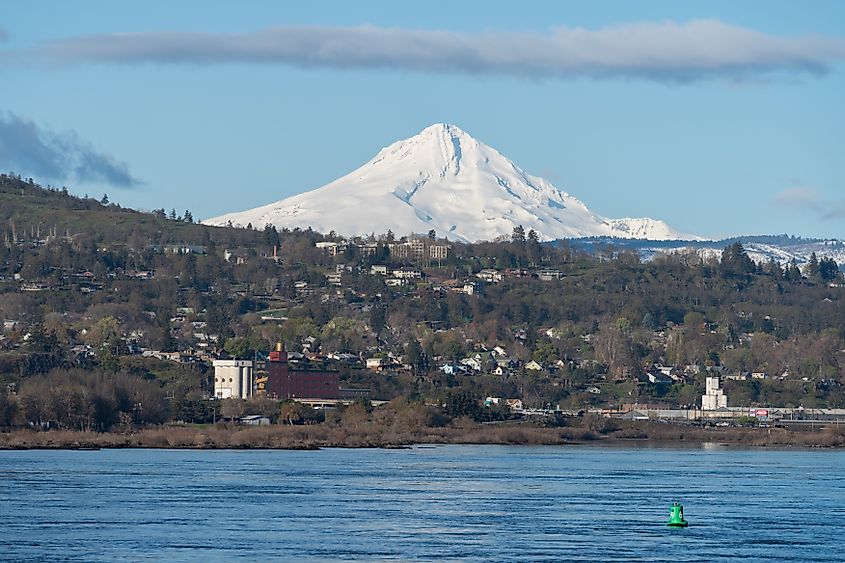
(444, 179)
(762, 249)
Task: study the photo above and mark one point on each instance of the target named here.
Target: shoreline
(313, 437)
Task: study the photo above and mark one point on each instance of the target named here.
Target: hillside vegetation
(106, 308)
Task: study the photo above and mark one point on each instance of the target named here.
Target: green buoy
(676, 516)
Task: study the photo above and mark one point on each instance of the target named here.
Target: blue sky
(720, 118)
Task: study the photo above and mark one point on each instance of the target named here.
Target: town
(233, 323)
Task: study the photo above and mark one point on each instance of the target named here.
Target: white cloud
(803, 197)
(662, 51)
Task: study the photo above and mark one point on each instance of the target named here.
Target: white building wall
(233, 379)
(714, 397)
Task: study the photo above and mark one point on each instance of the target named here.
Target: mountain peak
(443, 144)
(442, 129)
(446, 180)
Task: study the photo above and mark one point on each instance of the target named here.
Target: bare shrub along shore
(461, 431)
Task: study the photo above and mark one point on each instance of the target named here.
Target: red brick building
(286, 383)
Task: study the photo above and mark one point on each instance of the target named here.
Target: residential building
(549, 275)
(407, 274)
(490, 275)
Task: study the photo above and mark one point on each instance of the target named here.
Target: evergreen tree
(414, 356)
(534, 248)
(811, 270)
(828, 270)
(735, 262)
(378, 319)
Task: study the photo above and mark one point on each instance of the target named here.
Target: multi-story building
(284, 383)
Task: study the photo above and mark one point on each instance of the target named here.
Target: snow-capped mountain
(444, 179)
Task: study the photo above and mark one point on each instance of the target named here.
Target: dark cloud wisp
(28, 149)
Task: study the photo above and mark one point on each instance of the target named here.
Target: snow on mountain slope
(798, 252)
(444, 179)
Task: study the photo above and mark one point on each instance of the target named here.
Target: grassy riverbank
(374, 435)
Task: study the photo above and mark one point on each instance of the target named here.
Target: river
(432, 503)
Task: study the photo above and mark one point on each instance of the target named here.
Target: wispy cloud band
(803, 197)
(52, 156)
(663, 51)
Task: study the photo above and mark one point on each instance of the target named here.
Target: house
(737, 376)
(500, 370)
(184, 249)
(500, 351)
(514, 404)
(534, 366)
(549, 275)
(344, 357)
(331, 248)
(665, 370)
(472, 363)
(407, 273)
(376, 363)
(490, 276)
(378, 270)
(658, 378)
(467, 288)
(453, 369)
(237, 257)
(553, 333)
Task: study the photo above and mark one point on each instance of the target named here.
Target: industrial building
(233, 379)
(285, 383)
(714, 397)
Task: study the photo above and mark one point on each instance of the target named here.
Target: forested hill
(29, 208)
